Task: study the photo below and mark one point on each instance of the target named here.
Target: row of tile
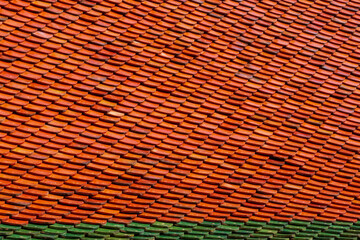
(186, 230)
(145, 111)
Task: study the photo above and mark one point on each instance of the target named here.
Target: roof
(179, 112)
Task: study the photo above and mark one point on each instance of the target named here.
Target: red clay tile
(105, 108)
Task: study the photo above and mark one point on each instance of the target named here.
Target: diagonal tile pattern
(143, 111)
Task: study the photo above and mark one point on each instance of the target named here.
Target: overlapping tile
(143, 111)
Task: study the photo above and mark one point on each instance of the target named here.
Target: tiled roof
(136, 112)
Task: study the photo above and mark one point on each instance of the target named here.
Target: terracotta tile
(105, 108)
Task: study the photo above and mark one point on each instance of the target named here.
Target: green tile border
(251, 230)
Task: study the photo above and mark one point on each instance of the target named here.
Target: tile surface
(144, 112)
